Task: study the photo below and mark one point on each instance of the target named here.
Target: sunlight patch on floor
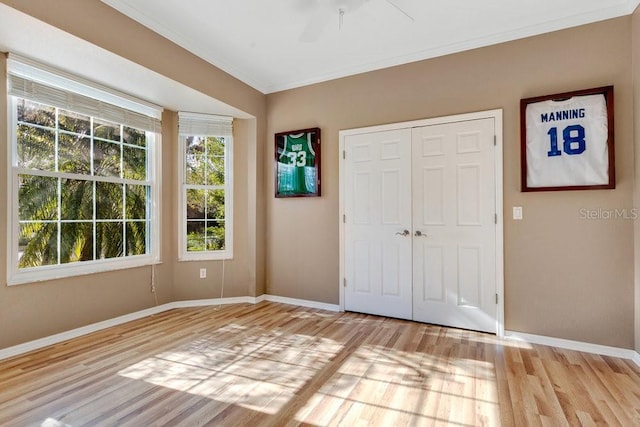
(50, 422)
(260, 370)
(393, 387)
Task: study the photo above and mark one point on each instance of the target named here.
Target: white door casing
(454, 276)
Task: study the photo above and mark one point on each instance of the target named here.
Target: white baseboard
(574, 345)
(254, 300)
(5, 353)
(84, 330)
(301, 302)
(207, 302)
(74, 333)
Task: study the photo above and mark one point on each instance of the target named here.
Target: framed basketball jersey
(297, 163)
(567, 141)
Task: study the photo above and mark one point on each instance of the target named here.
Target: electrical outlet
(203, 273)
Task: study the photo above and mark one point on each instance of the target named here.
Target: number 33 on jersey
(296, 159)
(566, 142)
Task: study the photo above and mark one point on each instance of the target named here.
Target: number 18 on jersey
(567, 142)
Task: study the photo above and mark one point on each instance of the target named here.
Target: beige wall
(41, 309)
(635, 56)
(238, 271)
(564, 277)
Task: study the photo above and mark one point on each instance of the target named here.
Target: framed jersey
(297, 163)
(567, 141)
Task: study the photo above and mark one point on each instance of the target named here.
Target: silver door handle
(404, 233)
(419, 234)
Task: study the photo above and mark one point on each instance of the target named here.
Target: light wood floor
(275, 364)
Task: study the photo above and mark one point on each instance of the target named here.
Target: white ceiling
(76, 56)
(260, 41)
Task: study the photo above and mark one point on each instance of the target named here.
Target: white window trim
(16, 276)
(227, 253)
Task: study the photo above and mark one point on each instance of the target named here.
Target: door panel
(378, 208)
(433, 272)
(468, 195)
(454, 275)
(433, 195)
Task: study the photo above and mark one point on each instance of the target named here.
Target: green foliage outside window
(83, 187)
(204, 193)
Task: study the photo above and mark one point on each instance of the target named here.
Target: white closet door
(454, 277)
(378, 223)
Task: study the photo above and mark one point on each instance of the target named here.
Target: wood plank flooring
(278, 365)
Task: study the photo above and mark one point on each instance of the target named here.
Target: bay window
(83, 179)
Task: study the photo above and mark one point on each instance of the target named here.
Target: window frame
(227, 252)
(16, 275)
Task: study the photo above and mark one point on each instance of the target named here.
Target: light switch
(517, 212)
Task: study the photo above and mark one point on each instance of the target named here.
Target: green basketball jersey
(296, 171)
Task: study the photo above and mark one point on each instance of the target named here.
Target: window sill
(43, 274)
(206, 256)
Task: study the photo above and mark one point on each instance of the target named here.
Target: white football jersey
(567, 142)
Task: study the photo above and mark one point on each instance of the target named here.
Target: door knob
(404, 233)
(419, 234)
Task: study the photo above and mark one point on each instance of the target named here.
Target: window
(206, 224)
(83, 182)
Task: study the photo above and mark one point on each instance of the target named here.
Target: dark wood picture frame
(297, 163)
(607, 92)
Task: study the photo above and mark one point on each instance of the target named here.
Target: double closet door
(420, 224)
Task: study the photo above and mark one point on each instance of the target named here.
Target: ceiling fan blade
(316, 24)
(401, 7)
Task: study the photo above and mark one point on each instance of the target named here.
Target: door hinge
(344, 219)
(344, 154)
(495, 140)
(495, 218)
(496, 298)
(344, 282)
